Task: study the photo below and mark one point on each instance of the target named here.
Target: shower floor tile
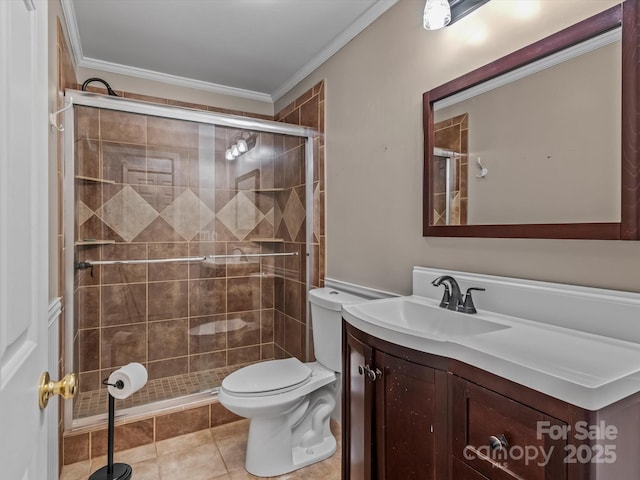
(94, 402)
(212, 454)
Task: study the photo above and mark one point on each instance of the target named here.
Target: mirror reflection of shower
(450, 170)
(446, 166)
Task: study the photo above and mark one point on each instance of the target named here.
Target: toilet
(289, 403)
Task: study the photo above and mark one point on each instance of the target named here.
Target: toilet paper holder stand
(112, 471)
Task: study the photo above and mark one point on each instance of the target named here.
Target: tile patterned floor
(94, 402)
(213, 454)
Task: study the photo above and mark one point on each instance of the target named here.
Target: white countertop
(590, 370)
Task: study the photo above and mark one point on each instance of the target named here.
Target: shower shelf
(88, 243)
(267, 240)
(82, 178)
(266, 190)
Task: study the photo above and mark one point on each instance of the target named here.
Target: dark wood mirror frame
(627, 15)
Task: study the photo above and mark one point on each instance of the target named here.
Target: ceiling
(256, 49)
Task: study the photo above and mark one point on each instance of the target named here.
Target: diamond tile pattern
(127, 213)
(294, 214)
(83, 213)
(240, 215)
(271, 216)
(187, 214)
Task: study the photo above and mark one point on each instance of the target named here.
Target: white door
(23, 237)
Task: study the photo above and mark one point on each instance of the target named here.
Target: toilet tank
(326, 320)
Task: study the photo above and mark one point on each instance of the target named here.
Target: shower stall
(190, 246)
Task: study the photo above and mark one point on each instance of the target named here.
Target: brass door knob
(66, 388)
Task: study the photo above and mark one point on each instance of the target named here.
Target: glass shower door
(186, 260)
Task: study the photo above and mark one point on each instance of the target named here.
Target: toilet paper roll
(133, 377)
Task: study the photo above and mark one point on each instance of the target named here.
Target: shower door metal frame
(87, 99)
(450, 170)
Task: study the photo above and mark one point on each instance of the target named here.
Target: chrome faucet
(453, 298)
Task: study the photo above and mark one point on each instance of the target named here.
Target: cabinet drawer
(461, 471)
(504, 439)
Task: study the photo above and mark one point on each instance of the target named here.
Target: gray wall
(374, 89)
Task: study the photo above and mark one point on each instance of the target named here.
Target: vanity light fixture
(437, 14)
(245, 142)
(242, 146)
(440, 13)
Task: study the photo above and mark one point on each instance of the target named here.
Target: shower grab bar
(92, 263)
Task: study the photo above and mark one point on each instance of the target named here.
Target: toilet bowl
(289, 403)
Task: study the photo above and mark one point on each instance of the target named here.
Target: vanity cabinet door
(357, 410)
(504, 439)
(405, 423)
(394, 416)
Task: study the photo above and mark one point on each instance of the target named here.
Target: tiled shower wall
(290, 323)
(154, 188)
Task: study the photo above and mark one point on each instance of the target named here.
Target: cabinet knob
(372, 375)
(498, 442)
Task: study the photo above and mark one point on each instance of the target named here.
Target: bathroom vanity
(492, 396)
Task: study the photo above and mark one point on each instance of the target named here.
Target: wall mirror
(542, 143)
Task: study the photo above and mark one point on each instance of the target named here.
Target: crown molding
(370, 16)
(69, 14)
(173, 79)
(532, 68)
(373, 13)
(71, 22)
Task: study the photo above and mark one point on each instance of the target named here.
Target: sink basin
(423, 318)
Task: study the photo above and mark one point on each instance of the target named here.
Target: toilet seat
(267, 378)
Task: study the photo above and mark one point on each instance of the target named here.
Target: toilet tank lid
(265, 377)
(332, 299)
